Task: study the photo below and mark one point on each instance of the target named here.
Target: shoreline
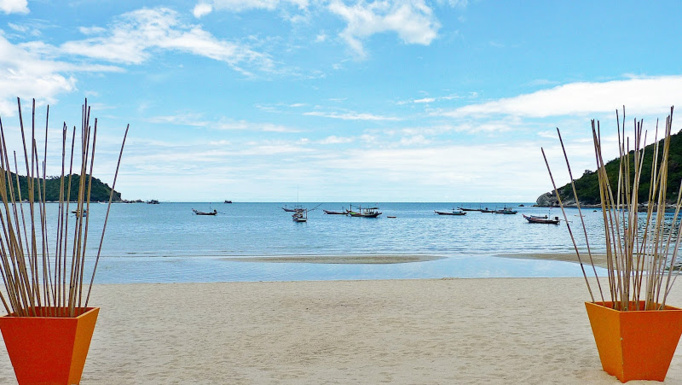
(299, 267)
(380, 259)
(387, 259)
(419, 331)
(598, 259)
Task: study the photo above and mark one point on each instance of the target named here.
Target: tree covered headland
(100, 191)
(587, 186)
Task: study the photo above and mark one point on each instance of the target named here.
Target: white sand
(450, 331)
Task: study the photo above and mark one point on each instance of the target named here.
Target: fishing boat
(453, 212)
(366, 212)
(292, 210)
(300, 216)
(330, 212)
(538, 219)
(468, 209)
(197, 212)
(505, 210)
(228, 201)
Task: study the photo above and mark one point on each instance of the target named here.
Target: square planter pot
(49, 350)
(635, 345)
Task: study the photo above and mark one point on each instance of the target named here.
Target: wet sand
(340, 259)
(598, 259)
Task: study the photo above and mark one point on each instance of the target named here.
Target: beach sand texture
(447, 331)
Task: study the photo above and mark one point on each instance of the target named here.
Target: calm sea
(168, 243)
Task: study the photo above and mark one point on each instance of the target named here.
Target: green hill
(100, 191)
(587, 186)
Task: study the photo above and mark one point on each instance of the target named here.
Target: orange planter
(49, 350)
(635, 345)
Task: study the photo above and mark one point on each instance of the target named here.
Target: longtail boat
(366, 212)
(300, 216)
(545, 220)
(197, 212)
(453, 212)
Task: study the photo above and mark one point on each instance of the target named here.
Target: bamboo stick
(641, 251)
(106, 217)
(582, 219)
(568, 226)
(33, 276)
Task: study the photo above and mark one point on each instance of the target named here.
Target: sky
(340, 100)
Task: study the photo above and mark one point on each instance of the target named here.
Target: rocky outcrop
(547, 200)
(550, 200)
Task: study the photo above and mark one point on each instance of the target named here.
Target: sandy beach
(447, 331)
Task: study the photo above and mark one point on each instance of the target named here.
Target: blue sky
(349, 101)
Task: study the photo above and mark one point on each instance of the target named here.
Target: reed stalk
(641, 250)
(40, 277)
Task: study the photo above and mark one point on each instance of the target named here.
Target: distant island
(587, 186)
(100, 191)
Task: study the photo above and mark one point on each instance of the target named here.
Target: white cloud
(270, 127)
(14, 6)
(196, 120)
(336, 140)
(455, 3)
(414, 140)
(193, 120)
(473, 169)
(25, 75)
(493, 126)
(429, 99)
(33, 69)
(18, 28)
(349, 116)
(134, 35)
(202, 9)
(205, 7)
(646, 96)
(91, 30)
(412, 20)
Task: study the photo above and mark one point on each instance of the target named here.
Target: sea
(167, 242)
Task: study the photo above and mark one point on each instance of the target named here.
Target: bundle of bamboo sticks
(641, 246)
(44, 274)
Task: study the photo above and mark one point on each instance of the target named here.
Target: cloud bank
(652, 95)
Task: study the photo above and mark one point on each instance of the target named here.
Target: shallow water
(168, 243)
